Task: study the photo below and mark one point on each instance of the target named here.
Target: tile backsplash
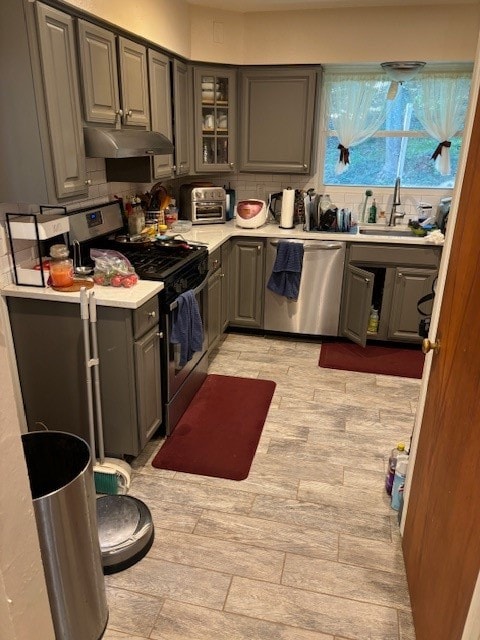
(246, 185)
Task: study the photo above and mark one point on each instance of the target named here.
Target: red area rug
(219, 432)
(403, 361)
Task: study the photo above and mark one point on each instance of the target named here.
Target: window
(401, 146)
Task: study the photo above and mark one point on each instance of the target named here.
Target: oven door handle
(200, 287)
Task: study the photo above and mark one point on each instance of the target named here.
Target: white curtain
(440, 103)
(356, 106)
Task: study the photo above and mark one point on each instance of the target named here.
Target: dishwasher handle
(323, 245)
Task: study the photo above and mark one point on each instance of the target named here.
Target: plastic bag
(112, 268)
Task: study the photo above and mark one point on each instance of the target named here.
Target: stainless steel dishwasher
(317, 309)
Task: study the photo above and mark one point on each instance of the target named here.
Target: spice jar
(61, 266)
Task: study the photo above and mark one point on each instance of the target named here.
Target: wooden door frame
(472, 623)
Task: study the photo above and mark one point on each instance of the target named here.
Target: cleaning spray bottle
(372, 217)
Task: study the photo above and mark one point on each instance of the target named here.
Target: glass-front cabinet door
(215, 117)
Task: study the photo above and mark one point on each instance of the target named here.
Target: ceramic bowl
(210, 95)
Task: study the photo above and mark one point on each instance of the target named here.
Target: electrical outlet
(3, 241)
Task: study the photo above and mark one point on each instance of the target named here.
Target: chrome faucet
(394, 216)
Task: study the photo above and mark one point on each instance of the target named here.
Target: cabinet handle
(88, 182)
(119, 112)
(259, 247)
(152, 314)
(159, 334)
(128, 113)
(305, 166)
(400, 274)
(222, 275)
(231, 165)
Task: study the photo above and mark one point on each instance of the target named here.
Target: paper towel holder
(288, 205)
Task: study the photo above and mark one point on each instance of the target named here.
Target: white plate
(209, 86)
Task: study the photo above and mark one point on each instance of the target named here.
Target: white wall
(164, 22)
(338, 36)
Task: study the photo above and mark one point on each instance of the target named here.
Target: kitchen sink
(387, 231)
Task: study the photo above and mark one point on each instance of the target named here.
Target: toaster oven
(202, 204)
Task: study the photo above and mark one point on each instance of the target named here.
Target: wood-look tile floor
(307, 547)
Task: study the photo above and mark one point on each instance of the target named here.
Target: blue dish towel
(187, 328)
(287, 270)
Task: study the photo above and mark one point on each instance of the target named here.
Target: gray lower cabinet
(391, 279)
(218, 292)
(276, 119)
(214, 317)
(226, 250)
(48, 340)
(247, 266)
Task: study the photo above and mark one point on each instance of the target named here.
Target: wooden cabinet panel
(149, 394)
(247, 282)
(160, 108)
(410, 285)
(59, 70)
(277, 107)
(392, 279)
(98, 71)
(182, 97)
(215, 116)
(134, 83)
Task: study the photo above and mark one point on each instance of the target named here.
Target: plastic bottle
(392, 463)
(399, 480)
(373, 321)
(372, 217)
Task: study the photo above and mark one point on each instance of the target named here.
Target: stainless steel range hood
(123, 143)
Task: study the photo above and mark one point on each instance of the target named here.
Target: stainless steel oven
(182, 381)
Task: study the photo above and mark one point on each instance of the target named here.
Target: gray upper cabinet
(98, 66)
(160, 108)
(215, 116)
(276, 119)
(182, 117)
(134, 83)
(59, 72)
(114, 89)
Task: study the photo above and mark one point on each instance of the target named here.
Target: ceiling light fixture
(400, 72)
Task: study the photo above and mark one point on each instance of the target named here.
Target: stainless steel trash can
(63, 492)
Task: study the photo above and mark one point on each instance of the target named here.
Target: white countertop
(213, 235)
(105, 296)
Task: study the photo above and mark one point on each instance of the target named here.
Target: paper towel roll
(288, 201)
